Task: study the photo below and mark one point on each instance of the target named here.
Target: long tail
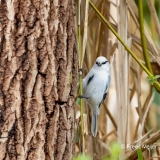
(94, 125)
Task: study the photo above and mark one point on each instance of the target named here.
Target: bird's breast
(95, 90)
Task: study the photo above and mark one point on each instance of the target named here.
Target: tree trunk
(38, 76)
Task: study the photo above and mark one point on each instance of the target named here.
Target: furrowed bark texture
(38, 74)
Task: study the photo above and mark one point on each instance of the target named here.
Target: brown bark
(38, 74)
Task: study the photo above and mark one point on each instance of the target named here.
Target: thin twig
(80, 80)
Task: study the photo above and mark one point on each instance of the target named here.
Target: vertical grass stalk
(80, 80)
(139, 152)
(143, 39)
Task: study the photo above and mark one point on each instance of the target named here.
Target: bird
(95, 88)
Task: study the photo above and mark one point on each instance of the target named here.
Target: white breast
(96, 88)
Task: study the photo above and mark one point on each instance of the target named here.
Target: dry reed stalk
(145, 136)
(143, 112)
(123, 74)
(138, 89)
(85, 30)
(145, 115)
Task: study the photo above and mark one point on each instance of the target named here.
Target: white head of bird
(101, 63)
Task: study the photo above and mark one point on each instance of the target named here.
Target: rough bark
(38, 74)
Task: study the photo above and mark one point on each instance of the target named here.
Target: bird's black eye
(105, 62)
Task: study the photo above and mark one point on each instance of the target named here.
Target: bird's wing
(87, 80)
(106, 89)
(107, 84)
(90, 79)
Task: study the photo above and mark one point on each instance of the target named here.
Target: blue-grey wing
(88, 79)
(106, 89)
(107, 84)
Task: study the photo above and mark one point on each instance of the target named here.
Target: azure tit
(95, 88)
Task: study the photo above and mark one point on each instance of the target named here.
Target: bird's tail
(94, 125)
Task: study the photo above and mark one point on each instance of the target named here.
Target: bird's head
(101, 63)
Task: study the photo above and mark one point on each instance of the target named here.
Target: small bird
(95, 88)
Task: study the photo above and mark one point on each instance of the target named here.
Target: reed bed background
(130, 113)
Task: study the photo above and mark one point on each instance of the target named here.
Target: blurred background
(130, 113)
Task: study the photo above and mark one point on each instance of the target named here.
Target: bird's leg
(81, 96)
